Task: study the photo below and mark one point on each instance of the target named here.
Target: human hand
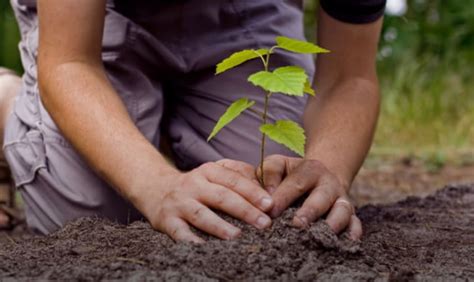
(184, 199)
(3, 219)
(287, 179)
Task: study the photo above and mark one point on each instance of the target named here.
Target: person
(106, 81)
(10, 85)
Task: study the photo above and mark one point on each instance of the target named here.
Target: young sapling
(287, 80)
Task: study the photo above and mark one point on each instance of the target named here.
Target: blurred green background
(425, 64)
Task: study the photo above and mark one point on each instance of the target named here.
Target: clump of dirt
(411, 240)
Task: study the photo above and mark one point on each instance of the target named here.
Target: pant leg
(200, 97)
(56, 184)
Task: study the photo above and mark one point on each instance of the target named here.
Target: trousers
(160, 57)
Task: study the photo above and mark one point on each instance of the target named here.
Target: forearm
(340, 126)
(340, 121)
(93, 118)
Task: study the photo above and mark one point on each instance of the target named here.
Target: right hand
(185, 199)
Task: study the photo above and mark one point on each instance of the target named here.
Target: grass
(428, 101)
(427, 105)
(9, 38)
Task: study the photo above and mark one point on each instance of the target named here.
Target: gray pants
(160, 57)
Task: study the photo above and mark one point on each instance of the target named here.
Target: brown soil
(383, 181)
(416, 239)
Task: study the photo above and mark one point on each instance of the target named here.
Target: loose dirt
(415, 239)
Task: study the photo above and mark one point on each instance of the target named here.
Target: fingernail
(263, 222)
(266, 203)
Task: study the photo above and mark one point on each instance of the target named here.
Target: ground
(429, 238)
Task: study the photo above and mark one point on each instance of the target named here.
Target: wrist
(344, 180)
(149, 182)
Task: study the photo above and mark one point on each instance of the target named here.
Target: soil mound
(415, 239)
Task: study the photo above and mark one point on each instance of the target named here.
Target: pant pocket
(26, 153)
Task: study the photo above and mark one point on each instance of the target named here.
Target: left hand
(287, 179)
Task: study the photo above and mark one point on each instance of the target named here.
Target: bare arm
(77, 94)
(339, 122)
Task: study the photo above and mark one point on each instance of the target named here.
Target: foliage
(239, 58)
(287, 80)
(232, 112)
(425, 70)
(9, 38)
(288, 133)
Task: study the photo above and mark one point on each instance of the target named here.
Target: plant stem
(262, 146)
(257, 112)
(266, 63)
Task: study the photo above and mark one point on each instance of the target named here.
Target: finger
(316, 205)
(301, 179)
(206, 220)
(232, 180)
(355, 228)
(340, 215)
(274, 168)
(3, 219)
(223, 199)
(243, 168)
(179, 231)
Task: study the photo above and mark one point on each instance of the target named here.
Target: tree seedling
(287, 80)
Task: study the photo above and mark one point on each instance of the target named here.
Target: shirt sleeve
(354, 11)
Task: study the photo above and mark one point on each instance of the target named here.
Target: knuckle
(248, 214)
(175, 232)
(207, 167)
(327, 194)
(345, 205)
(196, 214)
(171, 196)
(157, 219)
(232, 181)
(217, 229)
(183, 204)
(271, 168)
(224, 161)
(190, 183)
(155, 225)
(275, 157)
(221, 197)
(314, 165)
(338, 189)
(299, 185)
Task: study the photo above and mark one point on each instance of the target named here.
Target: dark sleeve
(354, 11)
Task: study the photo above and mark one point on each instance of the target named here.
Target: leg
(9, 87)
(199, 98)
(56, 184)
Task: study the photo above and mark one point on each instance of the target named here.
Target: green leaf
(287, 80)
(298, 46)
(288, 133)
(308, 89)
(239, 58)
(232, 112)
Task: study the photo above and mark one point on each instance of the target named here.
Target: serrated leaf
(287, 133)
(239, 58)
(308, 89)
(299, 46)
(232, 112)
(286, 80)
